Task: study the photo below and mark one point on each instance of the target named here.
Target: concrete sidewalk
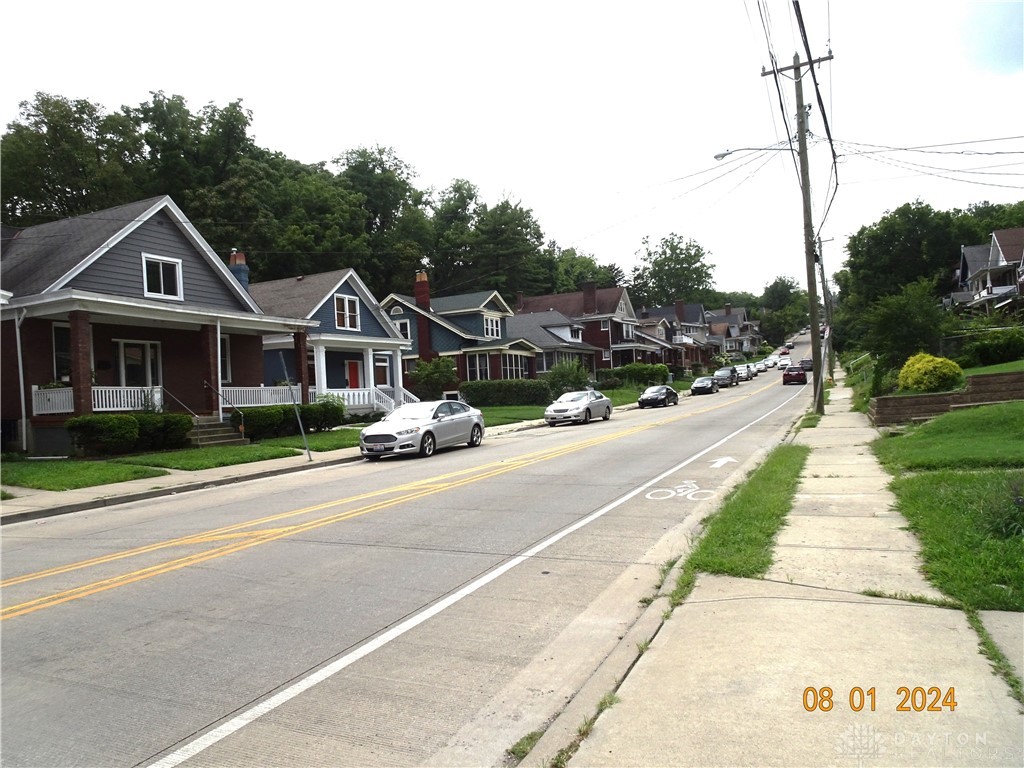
(730, 678)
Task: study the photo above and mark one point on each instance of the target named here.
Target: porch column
(531, 367)
(396, 370)
(369, 372)
(81, 368)
(320, 367)
(300, 343)
(209, 354)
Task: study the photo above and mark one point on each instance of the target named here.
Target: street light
(722, 155)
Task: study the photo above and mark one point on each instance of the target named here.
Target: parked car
(783, 363)
(659, 394)
(752, 369)
(705, 385)
(422, 428)
(807, 364)
(578, 406)
(744, 373)
(794, 374)
(761, 366)
(727, 377)
(790, 345)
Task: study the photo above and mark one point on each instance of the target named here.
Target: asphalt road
(406, 612)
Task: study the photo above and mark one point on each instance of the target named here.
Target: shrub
(927, 373)
(176, 427)
(1003, 345)
(643, 373)
(883, 380)
(151, 431)
(332, 411)
(432, 378)
(104, 433)
(506, 392)
(259, 422)
(609, 382)
(566, 377)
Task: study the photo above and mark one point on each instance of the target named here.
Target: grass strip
(320, 442)
(192, 459)
(68, 474)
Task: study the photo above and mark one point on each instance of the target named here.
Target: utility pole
(826, 301)
(805, 191)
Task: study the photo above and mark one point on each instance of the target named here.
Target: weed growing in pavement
(1000, 664)
(522, 748)
(642, 646)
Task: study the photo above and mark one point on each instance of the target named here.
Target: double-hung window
(346, 313)
(477, 368)
(161, 277)
(492, 327)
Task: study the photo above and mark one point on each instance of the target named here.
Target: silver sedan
(422, 428)
(578, 406)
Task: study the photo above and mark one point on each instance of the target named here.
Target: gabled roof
(606, 302)
(534, 327)
(468, 302)
(409, 303)
(44, 258)
(1009, 244)
(972, 259)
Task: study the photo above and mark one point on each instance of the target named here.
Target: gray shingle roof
(296, 296)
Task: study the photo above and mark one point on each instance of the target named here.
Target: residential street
(407, 612)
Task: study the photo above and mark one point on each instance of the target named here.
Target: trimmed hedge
(927, 373)
(1004, 345)
(103, 433)
(506, 392)
(635, 373)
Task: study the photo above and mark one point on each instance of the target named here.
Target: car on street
(790, 345)
(807, 364)
(421, 428)
(743, 372)
(783, 363)
(704, 385)
(761, 366)
(794, 374)
(579, 406)
(659, 394)
(727, 377)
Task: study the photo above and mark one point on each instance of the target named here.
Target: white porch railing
(58, 401)
(251, 397)
(369, 399)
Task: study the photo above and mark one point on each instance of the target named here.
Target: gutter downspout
(21, 379)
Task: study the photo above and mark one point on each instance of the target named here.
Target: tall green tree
(507, 251)
(903, 324)
(454, 226)
(673, 269)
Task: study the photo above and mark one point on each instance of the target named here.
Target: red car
(794, 374)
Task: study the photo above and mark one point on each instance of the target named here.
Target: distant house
(738, 335)
(121, 310)
(355, 352)
(468, 328)
(690, 332)
(559, 339)
(990, 277)
(608, 320)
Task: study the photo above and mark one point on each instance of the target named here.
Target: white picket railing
(127, 399)
(46, 401)
(370, 399)
(251, 397)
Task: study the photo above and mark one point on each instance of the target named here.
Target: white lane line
(238, 722)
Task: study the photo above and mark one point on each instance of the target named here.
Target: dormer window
(576, 333)
(346, 313)
(492, 327)
(161, 277)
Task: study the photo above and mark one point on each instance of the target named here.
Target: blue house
(355, 352)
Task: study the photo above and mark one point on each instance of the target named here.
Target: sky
(602, 118)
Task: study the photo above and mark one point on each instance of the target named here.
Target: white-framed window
(404, 328)
(605, 325)
(161, 277)
(477, 368)
(346, 312)
(627, 331)
(225, 359)
(622, 307)
(575, 333)
(61, 352)
(514, 366)
(606, 354)
(138, 363)
(492, 327)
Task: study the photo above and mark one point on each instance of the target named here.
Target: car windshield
(411, 412)
(572, 397)
(703, 380)
(652, 391)
(725, 371)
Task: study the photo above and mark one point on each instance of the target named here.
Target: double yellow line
(242, 536)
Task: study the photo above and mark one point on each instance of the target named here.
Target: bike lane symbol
(688, 489)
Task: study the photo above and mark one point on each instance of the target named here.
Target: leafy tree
(507, 250)
(454, 221)
(674, 269)
(431, 378)
(780, 294)
(569, 269)
(902, 325)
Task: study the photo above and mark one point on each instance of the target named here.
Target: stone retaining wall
(981, 389)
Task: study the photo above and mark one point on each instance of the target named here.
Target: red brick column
(81, 368)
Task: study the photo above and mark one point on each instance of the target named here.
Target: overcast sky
(603, 118)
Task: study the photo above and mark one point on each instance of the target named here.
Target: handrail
(166, 391)
(241, 413)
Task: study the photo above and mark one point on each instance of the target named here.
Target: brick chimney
(238, 267)
(680, 310)
(589, 298)
(421, 292)
(519, 301)
(728, 309)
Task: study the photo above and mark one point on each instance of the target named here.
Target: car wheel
(427, 445)
(675, 400)
(551, 424)
(607, 413)
(372, 458)
(586, 416)
(476, 436)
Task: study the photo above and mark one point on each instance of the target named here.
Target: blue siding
(473, 324)
(118, 272)
(444, 340)
(368, 323)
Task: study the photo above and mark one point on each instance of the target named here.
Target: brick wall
(982, 389)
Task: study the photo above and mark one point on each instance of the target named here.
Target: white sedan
(422, 428)
(578, 406)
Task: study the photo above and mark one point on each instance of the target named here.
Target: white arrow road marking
(719, 463)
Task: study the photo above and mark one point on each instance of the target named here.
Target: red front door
(353, 374)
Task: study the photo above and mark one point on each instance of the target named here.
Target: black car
(726, 377)
(660, 394)
(705, 385)
(807, 364)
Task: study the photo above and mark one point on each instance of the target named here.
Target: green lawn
(67, 474)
